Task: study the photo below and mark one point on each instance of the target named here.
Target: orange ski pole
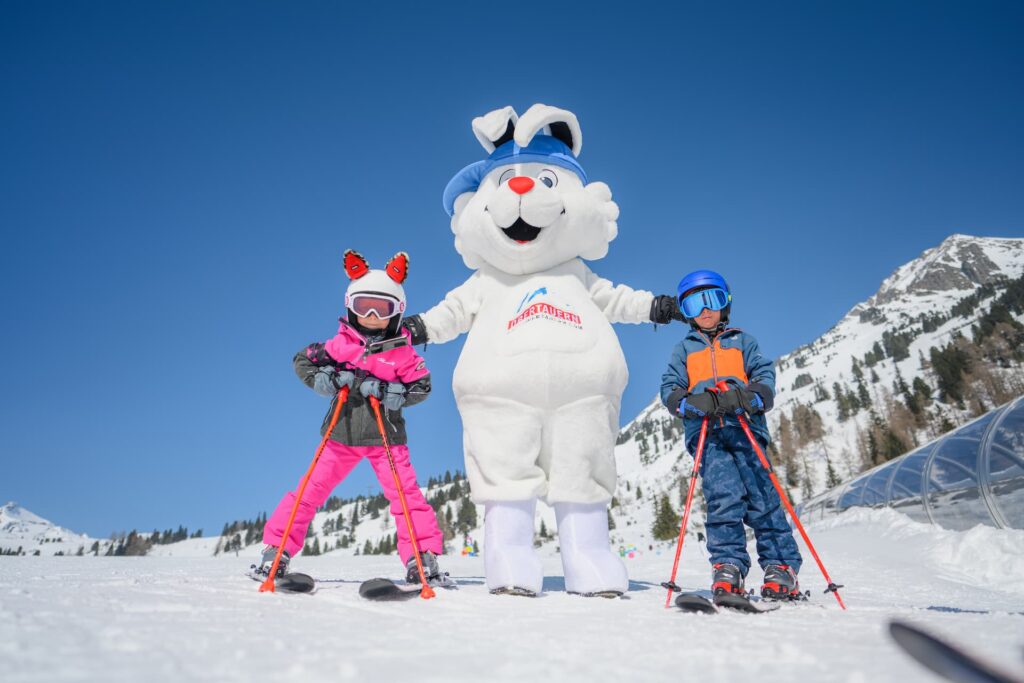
(671, 583)
(832, 587)
(268, 585)
(427, 591)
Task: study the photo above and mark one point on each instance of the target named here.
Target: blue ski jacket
(699, 362)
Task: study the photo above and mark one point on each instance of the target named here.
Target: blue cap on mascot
(543, 149)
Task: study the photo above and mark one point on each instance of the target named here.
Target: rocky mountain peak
(960, 262)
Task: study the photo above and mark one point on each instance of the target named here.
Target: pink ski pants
(336, 461)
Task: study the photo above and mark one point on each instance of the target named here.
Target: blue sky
(178, 181)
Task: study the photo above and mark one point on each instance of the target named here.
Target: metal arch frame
(985, 472)
(923, 486)
(938, 443)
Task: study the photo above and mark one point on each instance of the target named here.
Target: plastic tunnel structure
(972, 475)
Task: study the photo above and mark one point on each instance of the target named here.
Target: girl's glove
(328, 380)
(394, 397)
(371, 386)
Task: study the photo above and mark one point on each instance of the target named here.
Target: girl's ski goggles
(714, 299)
(380, 305)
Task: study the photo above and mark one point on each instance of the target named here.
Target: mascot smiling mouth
(521, 231)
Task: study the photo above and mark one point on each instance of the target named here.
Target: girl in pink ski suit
(397, 377)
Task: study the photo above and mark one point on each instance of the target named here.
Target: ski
(944, 659)
(295, 582)
(740, 602)
(384, 590)
(697, 603)
(387, 590)
(691, 602)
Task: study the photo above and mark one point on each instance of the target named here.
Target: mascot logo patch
(542, 311)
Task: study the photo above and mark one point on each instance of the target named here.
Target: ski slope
(176, 618)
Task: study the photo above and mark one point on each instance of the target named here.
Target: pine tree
(842, 404)
(863, 397)
(831, 478)
(466, 518)
(665, 526)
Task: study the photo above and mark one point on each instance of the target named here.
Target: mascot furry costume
(540, 379)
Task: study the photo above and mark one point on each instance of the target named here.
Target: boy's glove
(741, 400)
(416, 328)
(371, 386)
(328, 380)
(665, 309)
(699, 405)
(394, 396)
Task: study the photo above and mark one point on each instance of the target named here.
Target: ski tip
(386, 589)
(695, 604)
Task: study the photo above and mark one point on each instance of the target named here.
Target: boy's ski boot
(780, 583)
(267, 561)
(726, 578)
(430, 569)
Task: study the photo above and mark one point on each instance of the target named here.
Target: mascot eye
(548, 177)
(510, 173)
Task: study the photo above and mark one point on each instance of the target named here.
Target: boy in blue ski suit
(736, 485)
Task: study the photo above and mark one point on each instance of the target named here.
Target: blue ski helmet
(703, 279)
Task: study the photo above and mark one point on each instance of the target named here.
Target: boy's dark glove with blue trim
(665, 309)
(699, 405)
(765, 394)
(416, 328)
(394, 396)
(328, 380)
(742, 400)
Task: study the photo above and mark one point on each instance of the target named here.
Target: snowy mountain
(938, 344)
(22, 532)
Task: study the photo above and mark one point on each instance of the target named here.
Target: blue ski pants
(738, 491)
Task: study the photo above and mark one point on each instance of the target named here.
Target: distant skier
(393, 373)
(736, 486)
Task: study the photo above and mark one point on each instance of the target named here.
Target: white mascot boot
(590, 567)
(510, 562)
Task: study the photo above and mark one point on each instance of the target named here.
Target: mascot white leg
(589, 564)
(510, 562)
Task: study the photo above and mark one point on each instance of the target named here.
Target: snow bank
(981, 556)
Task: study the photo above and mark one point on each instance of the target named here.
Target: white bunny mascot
(541, 375)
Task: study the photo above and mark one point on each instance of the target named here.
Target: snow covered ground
(176, 618)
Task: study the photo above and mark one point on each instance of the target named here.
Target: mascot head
(528, 206)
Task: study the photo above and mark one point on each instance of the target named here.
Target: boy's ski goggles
(714, 299)
(380, 305)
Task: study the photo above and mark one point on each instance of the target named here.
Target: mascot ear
(560, 123)
(355, 265)
(495, 128)
(398, 267)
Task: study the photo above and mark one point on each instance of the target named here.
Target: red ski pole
(832, 587)
(268, 585)
(671, 583)
(427, 591)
